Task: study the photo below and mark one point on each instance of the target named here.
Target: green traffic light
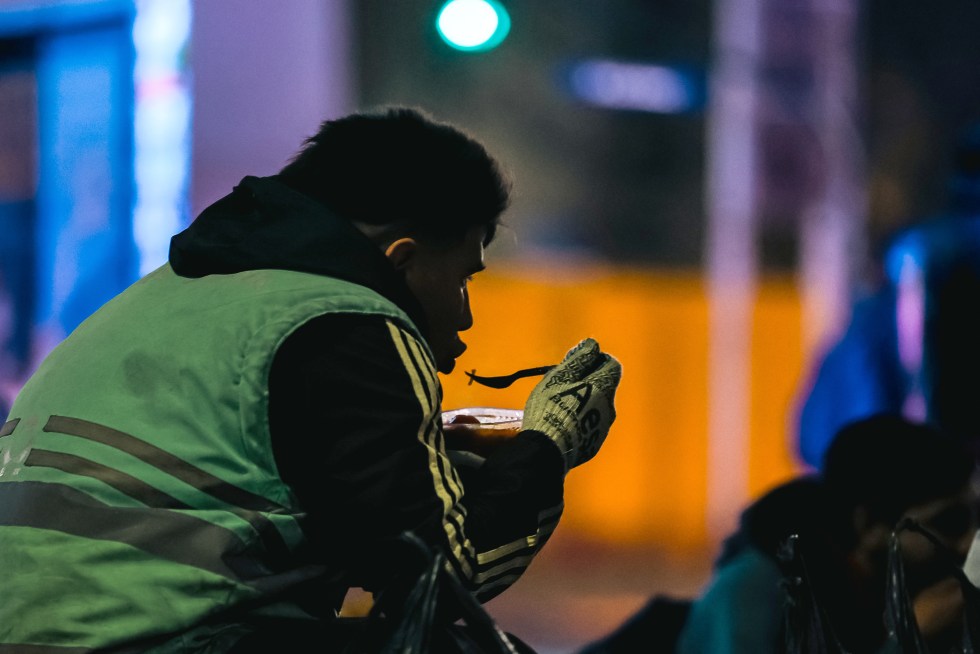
(473, 25)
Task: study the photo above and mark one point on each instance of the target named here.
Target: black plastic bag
(406, 616)
(807, 628)
(899, 616)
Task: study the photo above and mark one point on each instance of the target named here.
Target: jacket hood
(264, 224)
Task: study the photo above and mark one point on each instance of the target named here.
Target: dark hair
(888, 464)
(399, 167)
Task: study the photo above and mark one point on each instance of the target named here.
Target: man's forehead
(477, 233)
(473, 250)
(467, 253)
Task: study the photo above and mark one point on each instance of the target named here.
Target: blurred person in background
(216, 456)
(877, 471)
(911, 345)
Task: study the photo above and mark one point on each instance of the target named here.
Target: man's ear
(401, 252)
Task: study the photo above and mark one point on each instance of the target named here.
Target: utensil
(503, 381)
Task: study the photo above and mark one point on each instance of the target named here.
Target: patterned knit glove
(573, 403)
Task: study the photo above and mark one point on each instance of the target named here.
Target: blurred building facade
(698, 184)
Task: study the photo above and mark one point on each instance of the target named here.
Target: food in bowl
(480, 429)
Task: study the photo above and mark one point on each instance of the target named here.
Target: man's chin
(446, 367)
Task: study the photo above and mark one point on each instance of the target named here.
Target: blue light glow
(162, 131)
(633, 86)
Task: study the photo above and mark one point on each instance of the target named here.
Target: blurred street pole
(833, 247)
(784, 166)
(731, 253)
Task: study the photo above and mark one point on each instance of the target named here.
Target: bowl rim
(501, 415)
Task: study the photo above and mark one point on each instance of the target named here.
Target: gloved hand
(573, 403)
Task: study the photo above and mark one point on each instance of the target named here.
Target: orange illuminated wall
(648, 483)
(778, 361)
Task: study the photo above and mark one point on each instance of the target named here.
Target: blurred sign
(634, 86)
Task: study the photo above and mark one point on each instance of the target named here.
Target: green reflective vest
(139, 496)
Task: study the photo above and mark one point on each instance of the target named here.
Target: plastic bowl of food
(480, 429)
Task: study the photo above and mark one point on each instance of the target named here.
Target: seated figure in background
(877, 471)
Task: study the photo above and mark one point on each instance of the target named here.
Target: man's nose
(466, 316)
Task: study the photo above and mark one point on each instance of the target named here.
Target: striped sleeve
(491, 534)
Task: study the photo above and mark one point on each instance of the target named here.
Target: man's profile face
(438, 277)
